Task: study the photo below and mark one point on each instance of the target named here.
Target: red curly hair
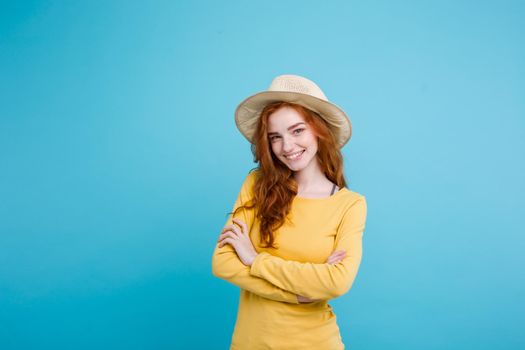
(275, 186)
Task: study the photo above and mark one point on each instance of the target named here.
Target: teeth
(294, 155)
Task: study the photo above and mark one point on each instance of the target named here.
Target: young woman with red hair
(294, 238)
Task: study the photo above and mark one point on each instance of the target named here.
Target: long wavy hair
(275, 186)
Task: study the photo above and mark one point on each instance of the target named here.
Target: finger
(339, 252)
(336, 254)
(227, 234)
(336, 258)
(242, 224)
(231, 234)
(222, 236)
(340, 256)
(233, 228)
(227, 240)
(229, 228)
(226, 228)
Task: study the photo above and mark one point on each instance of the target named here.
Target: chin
(296, 167)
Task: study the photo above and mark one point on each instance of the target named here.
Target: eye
(274, 138)
(298, 131)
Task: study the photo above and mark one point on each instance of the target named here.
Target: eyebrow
(290, 128)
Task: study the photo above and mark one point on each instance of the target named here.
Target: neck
(310, 178)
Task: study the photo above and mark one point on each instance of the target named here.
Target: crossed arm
(291, 281)
(227, 265)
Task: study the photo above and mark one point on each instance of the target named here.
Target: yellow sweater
(269, 315)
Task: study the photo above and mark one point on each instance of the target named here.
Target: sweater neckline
(343, 189)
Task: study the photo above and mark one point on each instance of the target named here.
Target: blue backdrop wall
(119, 160)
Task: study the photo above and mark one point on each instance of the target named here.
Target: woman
(294, 239)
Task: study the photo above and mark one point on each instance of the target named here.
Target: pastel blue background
(119, 160)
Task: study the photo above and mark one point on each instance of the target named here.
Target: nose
(287, 144)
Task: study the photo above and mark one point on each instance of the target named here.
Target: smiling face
(291, 139)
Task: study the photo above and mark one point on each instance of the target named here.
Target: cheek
(310, 140)
(274, 147)
(313, 147)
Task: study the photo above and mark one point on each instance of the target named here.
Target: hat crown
(297, 84)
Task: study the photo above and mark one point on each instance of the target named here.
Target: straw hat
(294, 89)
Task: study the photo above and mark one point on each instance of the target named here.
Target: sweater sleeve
(227, 265)
(320, 281)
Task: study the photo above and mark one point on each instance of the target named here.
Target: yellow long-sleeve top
(269, 315)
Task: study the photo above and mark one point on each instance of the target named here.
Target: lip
(294, 159)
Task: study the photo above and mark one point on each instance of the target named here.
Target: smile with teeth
(294, 156)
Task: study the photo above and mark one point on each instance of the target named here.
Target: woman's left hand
(237, 236)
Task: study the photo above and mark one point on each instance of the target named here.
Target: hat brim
(248, 112)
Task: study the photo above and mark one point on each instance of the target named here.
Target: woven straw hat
(294, 89)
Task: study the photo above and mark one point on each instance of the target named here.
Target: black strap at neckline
(333, 190)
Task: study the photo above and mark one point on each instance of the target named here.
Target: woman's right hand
(334, 258)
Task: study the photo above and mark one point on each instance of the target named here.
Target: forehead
(283, 118)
